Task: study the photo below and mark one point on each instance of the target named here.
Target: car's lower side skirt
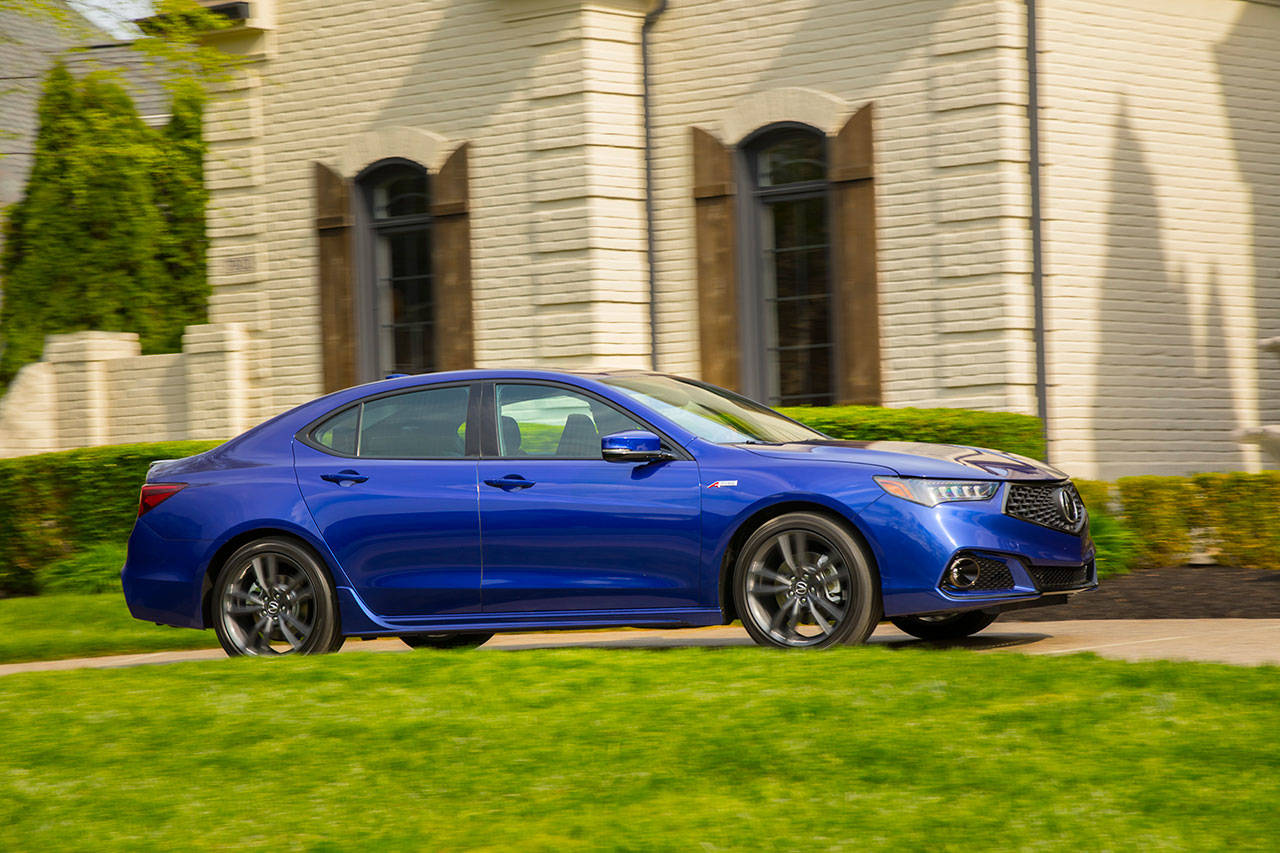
(357, 620)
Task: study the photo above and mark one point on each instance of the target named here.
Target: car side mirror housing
(634, 446)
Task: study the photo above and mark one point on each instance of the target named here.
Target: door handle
(344, 478)
(509, 482)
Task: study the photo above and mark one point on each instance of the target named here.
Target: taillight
(154, 494)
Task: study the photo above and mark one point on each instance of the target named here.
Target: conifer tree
(182, 199)
(110, 234)
(43, 240)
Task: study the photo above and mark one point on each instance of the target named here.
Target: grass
(49, 627)
(713, 749)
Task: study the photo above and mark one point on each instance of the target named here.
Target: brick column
(80, 373)
(217, 374)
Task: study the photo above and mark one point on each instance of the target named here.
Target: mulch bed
(1178, 592)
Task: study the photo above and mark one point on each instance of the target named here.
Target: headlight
(934, 492)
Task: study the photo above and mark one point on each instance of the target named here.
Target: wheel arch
(760, 516)
(238, 540)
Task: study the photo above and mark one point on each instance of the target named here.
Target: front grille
(1059, 577)
(992, 575)
(1051, 505)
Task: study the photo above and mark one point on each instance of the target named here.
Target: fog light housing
(963, 573)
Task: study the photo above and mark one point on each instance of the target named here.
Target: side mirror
(633, 445)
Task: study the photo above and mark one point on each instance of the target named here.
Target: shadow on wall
(1163, 394)
(1249, 71)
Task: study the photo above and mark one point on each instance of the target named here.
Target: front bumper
(1023, 562)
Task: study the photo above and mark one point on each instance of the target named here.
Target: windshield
(711, 413)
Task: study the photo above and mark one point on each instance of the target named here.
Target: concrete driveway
(1235, 641)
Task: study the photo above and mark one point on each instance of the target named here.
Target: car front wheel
(273, 597)
(803, 580)
(944, 626)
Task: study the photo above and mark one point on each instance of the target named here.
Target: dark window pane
(399, 191)
(795, 274)
(427, 424)
(339, 432)
(398, 198)
(792, 159)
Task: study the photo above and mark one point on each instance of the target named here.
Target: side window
(554, 423)
(430, 424)
(339, 432)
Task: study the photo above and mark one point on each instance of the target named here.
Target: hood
(917, 459)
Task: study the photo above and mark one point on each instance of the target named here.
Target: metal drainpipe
(1037, 249)
(649, 20)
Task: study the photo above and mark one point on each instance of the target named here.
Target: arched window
(398, 212)
(787, 305)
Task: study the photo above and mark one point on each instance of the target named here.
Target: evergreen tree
(43, 241)
(110, 234)
(182, 198)
(119, 278)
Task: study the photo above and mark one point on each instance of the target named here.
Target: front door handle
(344, 478)
(509, 482)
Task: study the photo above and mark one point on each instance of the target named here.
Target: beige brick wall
(1162, 208)
(95, 388)
(945, 80)
(1160, 189)
(548, 95)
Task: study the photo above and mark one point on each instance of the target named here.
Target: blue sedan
(444, 508)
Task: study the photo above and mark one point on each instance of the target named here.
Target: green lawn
(47, 627)
(684, 749)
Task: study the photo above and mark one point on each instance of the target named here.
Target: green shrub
(1096, 494)
(1021, 434)
(1240, 517)
(1157, 509)
(94, 569)
(1115, 541)
(56, 504)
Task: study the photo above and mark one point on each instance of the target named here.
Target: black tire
(810, 566)
(945, 626)
(446, 641)
(273, 596)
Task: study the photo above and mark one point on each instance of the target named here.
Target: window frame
(757, 361)
(471, 451)
(489, 422)
(368, 231)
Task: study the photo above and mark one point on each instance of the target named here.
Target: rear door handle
(509, 482)
(344, 478)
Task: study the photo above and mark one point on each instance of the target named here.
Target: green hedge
(1021, 434)
(57, 504)
(1163, 521)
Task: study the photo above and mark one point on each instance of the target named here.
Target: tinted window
(711, 413)
(550, 422)
(791, 277)
(339, 432)
(430, 424)
(398, 196)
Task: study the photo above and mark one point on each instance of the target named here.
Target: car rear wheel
(945, 626)
(445, 641)
(804, 581)
(273, 597)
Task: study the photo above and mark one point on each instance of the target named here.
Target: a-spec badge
(722, 484)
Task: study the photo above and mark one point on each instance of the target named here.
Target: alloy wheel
(269, 606)
(798, 588)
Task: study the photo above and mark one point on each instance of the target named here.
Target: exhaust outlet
(963, 573)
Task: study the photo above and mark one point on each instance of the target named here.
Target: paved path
(1237, 641)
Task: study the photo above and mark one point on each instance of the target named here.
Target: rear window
(427, 424)
(339, 432)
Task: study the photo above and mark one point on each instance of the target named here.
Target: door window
(554, 423)
(427, 424)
